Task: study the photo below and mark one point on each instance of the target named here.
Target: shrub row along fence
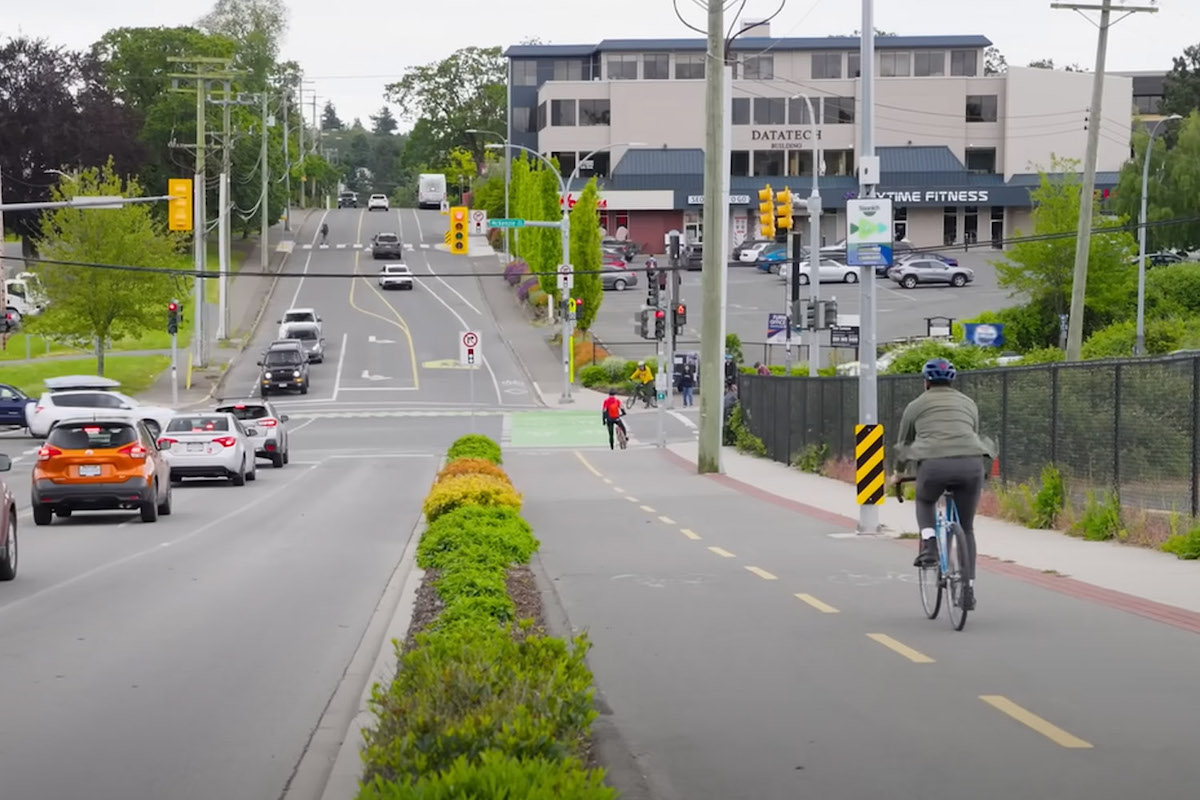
(1131, 426)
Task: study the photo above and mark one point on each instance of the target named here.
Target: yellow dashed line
(618, 490)
(666, 520)
(584, 461)
(824, 608)
(691, 534)
(762, 573)
(631, 499)
(722, 553)
(1029, 719)
(914, 656)
(608, 480)
(648, 509)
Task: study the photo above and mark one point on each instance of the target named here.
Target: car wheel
(164, 508)
(42, 515)
(803, 279)
(150, 507)
(239, 478)
(263, 393)
(287, 456)
(277, 460)
(303, 390)
(851, 277)
(619, 285)
(958, 279)
(63, 513)
(252, 475)
(909, 281)
(8, 559)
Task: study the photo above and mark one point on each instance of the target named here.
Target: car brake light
(166, 440)
(225, 441)
(267, 422)
(46, 452)
(92, 429)
(133, 451)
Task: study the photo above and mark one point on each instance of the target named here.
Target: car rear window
(279, 358)
(298, 316)
(97, 400)
(387, 238)
(302, 333)
(91, 436)
(245, 412)
(196, 424)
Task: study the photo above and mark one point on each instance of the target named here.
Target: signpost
(479, 222)
(843, 336)
(566, 278)
(469, 351)
(506, 223)
(445, 206)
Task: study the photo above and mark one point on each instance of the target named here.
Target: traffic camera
(458, 230)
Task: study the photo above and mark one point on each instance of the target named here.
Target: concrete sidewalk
(1148, 574)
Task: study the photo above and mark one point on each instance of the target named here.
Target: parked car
(831, 272)
(284, 369)
(387, 245)
(209, 445)
(1160, 259)
(929, 270)
(311, 341)
(751, 253)
(617, 275)
(14, 406)
(750, 244)
(348, 200)
(295, 315)
(628, 250)
(772, 257)
(378, 201)
(269, 428)
(693, 257)
(908, 255)
(72, 395)
(8, 525)
(395, 276)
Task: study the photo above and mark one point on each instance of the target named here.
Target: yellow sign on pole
(868, 458)
(179, 207)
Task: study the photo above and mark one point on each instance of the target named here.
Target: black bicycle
(952, 570)
(643, 392)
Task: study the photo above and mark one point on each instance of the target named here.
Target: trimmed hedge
(474, 445)
(481, 706)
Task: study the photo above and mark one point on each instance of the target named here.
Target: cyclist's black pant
(963, 476)
(612, 423)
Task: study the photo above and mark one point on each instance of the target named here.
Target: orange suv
(100, 464)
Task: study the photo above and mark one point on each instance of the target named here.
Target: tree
(466, 90)
(546, 202)
(102, 303)
(1042, 270)
(460, 168)
(383, 123)
(1170, 193)
(585, 254)
(258, 26)
(329, 118)
(1181, 90)
(994, 62)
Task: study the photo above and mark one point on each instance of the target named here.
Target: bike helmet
(612, 392)
(938, 369)
(641, 363)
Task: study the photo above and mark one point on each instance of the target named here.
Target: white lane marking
(337, 378)
(538, 389)
(221, 520)
(307, 261)
(379, 388)
(299, 428)
(429, 266)
(683, 419)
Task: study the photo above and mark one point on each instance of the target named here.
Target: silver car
(310, 339)
(270, 437)
(617, 278)
(929, 270)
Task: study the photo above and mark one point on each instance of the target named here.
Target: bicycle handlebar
(898, 488)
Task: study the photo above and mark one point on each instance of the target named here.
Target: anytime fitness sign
(938, 197)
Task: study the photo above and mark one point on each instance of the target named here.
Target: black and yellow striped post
(868, 460)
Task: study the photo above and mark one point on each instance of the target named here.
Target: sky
(352, 51)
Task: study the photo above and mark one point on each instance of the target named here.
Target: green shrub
(463, 490)
(963, 358)
(1162, 336)
(475, 445)
(470, 611)
(614, 368)
(471, 581)
(733, 347)
(1173, 291)
(743, 439)
(1040, 509)
(476, 533)
(1042, 355)
(812, 458)
(498, 776)
(537, 297)
(1101, 519)
(1184, 545)
(471, 466)
(474, 687)
(593, 375)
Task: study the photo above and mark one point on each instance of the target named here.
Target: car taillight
(46, 452)
(225, 441)
(38, 409)
(133, 451)
(166, 440)
(266, 422)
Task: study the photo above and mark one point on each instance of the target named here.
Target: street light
(507, 171)
(59, 172)
(814, 247)
(1139, 347)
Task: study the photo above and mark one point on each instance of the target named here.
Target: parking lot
(754, 294)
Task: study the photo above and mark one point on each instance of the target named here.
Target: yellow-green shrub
(462, 490)
(472, 466)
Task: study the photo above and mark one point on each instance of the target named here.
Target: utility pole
(868, 400)
(300, 145)
(716, 214)
(676, 279)
(223, 218)
(287, 163)
(1083, 240)
(264, 172)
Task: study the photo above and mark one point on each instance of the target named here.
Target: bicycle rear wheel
(957, 557)
(929, 580)
(622, 439)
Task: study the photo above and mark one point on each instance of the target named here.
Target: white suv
(395, 275)
(379, 201)
(76, 395)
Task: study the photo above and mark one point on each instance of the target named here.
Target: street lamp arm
(579, 163)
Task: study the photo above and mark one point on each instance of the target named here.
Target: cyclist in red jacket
(612, 413)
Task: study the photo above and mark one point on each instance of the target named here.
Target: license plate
(89, 470)
(195, 447)
(282, 384)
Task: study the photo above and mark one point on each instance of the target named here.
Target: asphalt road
(193, 658)
(754, 294)
(744, 652)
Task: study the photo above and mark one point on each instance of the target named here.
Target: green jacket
(941, 423)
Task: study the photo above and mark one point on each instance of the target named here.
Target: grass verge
(135, 373)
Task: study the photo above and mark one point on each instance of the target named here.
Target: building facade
(960, 149)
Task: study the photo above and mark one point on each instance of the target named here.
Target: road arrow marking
(373, 340)
(367, 376)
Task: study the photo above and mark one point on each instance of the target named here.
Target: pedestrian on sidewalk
(761, 368)
(686, 384)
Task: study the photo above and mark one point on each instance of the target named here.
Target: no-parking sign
(479, 222)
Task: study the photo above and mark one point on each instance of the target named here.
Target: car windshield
(281, 358)
(197, 424)
(91, 436)
(245, 412)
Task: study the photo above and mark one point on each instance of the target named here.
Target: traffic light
(179, 207)
(458, 230)
(661, 277)
(653, 294)
(641, 321)
(783, 209)
(829, 313)
(766, 212)
(660, 324)
(804, 315)
(679, 314)
(173, 317)
(574, 306)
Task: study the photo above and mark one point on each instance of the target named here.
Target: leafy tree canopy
(1181, 90)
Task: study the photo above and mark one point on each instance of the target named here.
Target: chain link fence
(1130, 426)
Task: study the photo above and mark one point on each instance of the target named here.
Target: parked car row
(909, 269)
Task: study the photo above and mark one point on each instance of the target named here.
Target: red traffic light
(681, 308)
(579, 302)
(659, 314)
(172, 306)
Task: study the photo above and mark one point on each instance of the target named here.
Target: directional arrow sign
(469, 350)
(367, 376)
(373, 340)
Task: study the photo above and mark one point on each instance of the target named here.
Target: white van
(431, 190)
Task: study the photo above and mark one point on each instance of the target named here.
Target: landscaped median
(484, 703)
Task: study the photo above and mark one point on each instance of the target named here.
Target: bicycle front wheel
(957, 557)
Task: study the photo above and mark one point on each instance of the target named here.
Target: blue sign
(983, 334)
(777, 328)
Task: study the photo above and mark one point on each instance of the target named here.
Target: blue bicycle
(952, 571)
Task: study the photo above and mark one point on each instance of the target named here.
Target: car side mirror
(318, 319)
(259, 363)
(284, 418)
(5, 463)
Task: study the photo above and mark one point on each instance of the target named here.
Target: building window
(568, 70)
(826, 65)
(524, 72)
(970, 224)
(741, 111)
(899, 223)
(623, 67)
(566, 161)
(929, 64)
(770, 111)
(656, 66)
(854, 65)
(768, 162)
(949, 224)
(562, 113)
(541, 116)
(759, 68)
(799, 162)
(1148, 104)
(594, 112)
(838, 162)
(689, 68)
(894, 65)
(739, 163)
(981, 160)
(839, 110)
(521, 117)
(964, 63)
(597, 166)
(982, 108)
(798, 111)
(998, 227)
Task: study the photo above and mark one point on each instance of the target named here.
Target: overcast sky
(352, 49)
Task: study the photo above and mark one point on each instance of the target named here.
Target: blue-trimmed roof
(661, 161)
(918, 158)
(1032, 179)
(745, 43)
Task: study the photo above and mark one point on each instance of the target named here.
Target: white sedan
(397, 276)
(379, 201)
(832, 271)
(209, 446)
